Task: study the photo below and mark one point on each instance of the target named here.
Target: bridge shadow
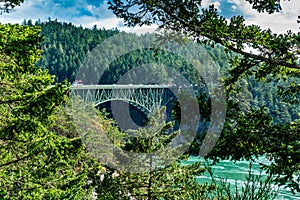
(126, 115)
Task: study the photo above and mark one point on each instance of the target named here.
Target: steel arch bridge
(145, 97)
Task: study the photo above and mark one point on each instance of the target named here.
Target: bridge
(145, 97)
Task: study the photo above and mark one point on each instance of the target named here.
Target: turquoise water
(237, 173)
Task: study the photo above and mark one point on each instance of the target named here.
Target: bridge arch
(144, 97)
(131, 102)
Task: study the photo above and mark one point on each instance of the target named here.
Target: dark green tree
(36, 160)
(278, 54)
(150, 173)
(247, 132)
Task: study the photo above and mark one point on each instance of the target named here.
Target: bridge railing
(117, 86)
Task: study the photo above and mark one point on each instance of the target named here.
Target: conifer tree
(150, 174)
(35, 161)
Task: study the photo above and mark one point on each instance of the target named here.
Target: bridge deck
(117, 86)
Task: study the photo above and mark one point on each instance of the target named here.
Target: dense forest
(65, 48)
(57, 147)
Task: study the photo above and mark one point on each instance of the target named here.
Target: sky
(88, 13)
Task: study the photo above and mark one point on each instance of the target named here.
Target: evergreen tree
(35, 161)
(150, 173)
(249, 133)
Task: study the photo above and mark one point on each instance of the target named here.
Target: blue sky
(90, 12)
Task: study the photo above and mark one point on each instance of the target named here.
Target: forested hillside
(66, 47)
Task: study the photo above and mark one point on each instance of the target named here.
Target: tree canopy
(37, 159)
(40, 160)
(277, 55)
(242, 129)
(273, 58)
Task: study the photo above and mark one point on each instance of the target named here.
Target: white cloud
(233, 8)
(99, 15)
(102, 17)
(143, 29)
(90, 8)
(110, 23)
(89, 22)
(18, 14)
(278, 22)
(217, 5)
(43, 9)
(34, 10)
(206, 3)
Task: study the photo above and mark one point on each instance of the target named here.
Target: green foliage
(172, 182)
(63, 55)
(286, 156)
(269, 6)
(246, 120)
(247, 116)
(41, 156)
(153, 180)
(277, 53)
(42, 159)
(35, 162)
(248, 131)
(146, 175)
(66, 46)
(248, 135)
